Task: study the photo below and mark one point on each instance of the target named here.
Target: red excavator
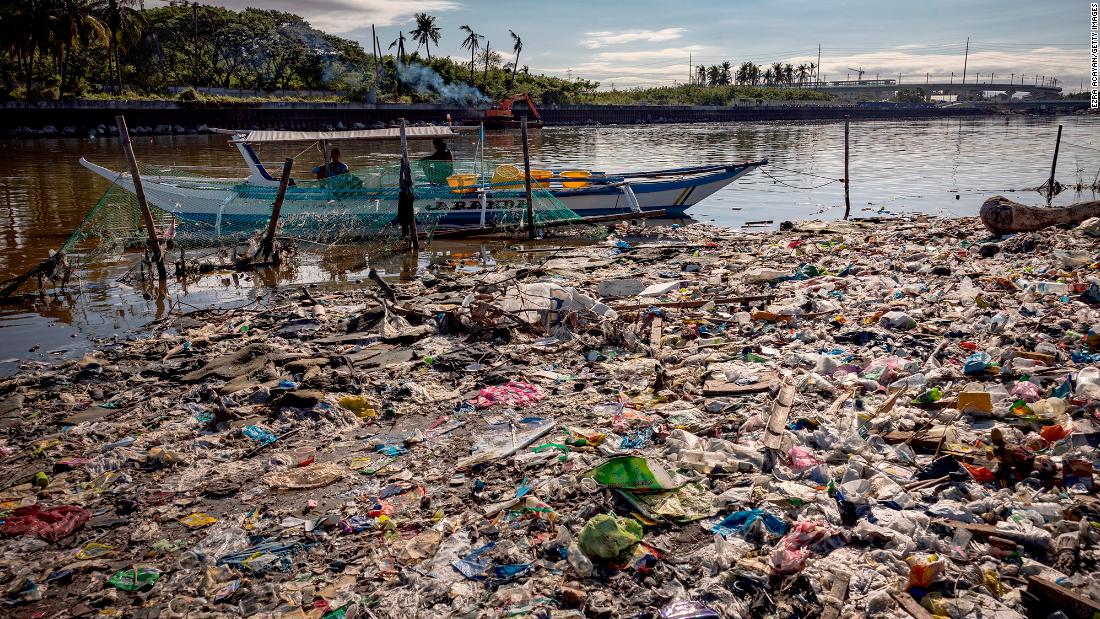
(503, 116)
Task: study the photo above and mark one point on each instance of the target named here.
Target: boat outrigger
(237, 206)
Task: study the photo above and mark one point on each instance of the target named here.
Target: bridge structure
(885, 88)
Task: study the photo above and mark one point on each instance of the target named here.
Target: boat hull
(225, 208)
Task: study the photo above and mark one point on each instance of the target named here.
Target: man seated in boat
(334, 167)
(438, 165)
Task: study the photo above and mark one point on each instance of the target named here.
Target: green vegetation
(704, 95)
(53, 49)
(61, 49)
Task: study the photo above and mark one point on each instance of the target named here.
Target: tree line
(54, 49)
(63, 48)
(751, 74)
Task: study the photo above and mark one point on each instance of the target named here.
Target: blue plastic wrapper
(470, 567)
(977, 363)
(1084, 357)
(508, 572)
(259, 435)
(739, 522)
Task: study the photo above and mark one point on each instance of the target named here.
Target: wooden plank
(834, 408)
(698, 302)
(655, 333)
(910, 605)
(838, 592)
(781, 411)
(1049, 596)
(717, 387)
(987, 530)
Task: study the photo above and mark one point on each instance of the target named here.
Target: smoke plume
(424, 80)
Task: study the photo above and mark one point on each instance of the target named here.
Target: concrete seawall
(79, 118)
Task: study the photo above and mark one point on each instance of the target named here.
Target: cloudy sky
(647, 42)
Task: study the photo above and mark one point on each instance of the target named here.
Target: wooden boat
(238, 206)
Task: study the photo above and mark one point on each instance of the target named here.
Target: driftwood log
(1003, 216)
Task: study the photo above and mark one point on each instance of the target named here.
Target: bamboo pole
(527, 178)
(406, 210)
(1054, 165)
(268, 244)
(139, 192)
(847, 198)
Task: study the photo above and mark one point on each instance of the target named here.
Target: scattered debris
(890, 418)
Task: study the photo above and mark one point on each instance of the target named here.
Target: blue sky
(643, 43)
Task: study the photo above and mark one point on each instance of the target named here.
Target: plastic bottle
(580, 562)
(1055, 288)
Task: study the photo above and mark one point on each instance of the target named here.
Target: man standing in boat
(334, 167)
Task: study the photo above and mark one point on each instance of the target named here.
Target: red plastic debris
(50, 524)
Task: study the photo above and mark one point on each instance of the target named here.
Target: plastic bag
(741, 521)
(925, 570)
(632, 473)
(607, 537)
(50, 524)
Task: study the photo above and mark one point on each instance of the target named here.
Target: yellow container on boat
(541, 177)
(462, 183)
(575, 174)
(503, 176)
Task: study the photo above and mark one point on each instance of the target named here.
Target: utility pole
(818, 63)
(966, 56)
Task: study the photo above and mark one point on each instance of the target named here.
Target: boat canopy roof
(392, 133)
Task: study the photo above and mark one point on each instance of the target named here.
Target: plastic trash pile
(893, 418)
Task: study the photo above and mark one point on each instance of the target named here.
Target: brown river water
(941, 167)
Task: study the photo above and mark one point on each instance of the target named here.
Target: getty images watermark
(1094, 70)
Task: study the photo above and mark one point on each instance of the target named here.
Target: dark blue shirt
(333, 168)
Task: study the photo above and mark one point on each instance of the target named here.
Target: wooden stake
(139, 192)
(1054, 165)
(268, 244)
(406, 211)
(527, 178)
(847, 198)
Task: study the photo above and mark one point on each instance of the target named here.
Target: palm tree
(701, 73)
(472, 42)
(125, 26)
(399, 43)
(813, 72)
(744, 73)
(768, 76)
(803, 71)
(727, 73)
(73, 25)
(713, 75)
(25, 34)
(517, 47)
(788, 74)
(426, 32)
(777, 73)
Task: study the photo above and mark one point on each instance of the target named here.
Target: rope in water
(765, 173)
(1080, 146)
